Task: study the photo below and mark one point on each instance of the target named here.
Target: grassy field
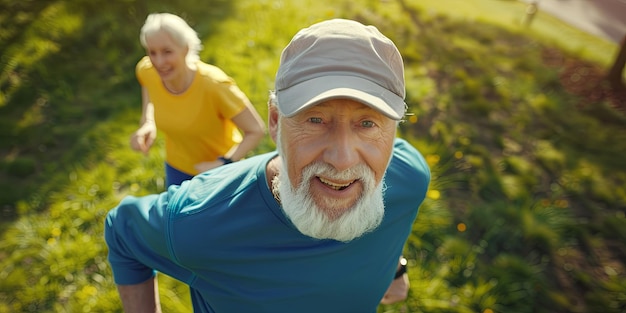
(525, 213)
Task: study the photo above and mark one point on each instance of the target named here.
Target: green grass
(525, 213)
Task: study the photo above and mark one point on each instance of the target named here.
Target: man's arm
(141, 298)
(135, 236)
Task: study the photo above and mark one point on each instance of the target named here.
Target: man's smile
(335, 185)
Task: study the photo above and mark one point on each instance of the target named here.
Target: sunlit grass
(509, 14)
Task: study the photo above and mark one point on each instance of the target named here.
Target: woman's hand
(143, 138)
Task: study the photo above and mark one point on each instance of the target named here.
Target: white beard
(300, 207)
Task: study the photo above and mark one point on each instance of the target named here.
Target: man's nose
(342, 148)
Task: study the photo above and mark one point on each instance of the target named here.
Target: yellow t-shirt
(196, 123)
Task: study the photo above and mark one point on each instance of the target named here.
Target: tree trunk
(615, 74)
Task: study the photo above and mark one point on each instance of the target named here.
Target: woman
(199, 108)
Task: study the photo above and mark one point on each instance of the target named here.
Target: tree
(615, 73)
(617, 91)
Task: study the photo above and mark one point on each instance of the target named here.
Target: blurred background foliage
(525, 213)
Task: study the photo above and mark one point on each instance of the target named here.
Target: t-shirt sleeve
(411, 167)
(137, 238)
(232, 99)
(141, 70)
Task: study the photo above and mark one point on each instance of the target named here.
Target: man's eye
(315, 120)
(368, 124)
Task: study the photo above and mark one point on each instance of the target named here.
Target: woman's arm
(253, 128)
(147, 108)
(143, 138)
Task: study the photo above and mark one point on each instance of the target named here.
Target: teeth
(332, 185)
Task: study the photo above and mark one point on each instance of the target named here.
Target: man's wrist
(402, 269)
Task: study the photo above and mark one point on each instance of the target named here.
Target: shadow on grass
(65, 65)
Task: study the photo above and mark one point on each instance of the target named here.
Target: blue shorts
(174, 176)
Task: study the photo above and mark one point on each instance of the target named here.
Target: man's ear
(272, 121)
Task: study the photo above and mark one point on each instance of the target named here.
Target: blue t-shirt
(224, 235)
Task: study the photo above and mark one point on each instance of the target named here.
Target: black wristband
(402, 269)
(225, 160)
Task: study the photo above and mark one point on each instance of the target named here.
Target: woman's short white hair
(178, 29)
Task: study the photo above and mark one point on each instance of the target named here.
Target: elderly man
(319, 225)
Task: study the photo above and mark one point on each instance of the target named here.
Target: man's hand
(399, 287)
(397, 291)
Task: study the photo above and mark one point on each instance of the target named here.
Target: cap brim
(306, 94)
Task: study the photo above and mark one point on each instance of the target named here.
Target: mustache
(320, 169)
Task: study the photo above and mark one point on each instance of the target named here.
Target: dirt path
(603, 18)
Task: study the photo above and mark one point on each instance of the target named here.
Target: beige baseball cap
(341, 58)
